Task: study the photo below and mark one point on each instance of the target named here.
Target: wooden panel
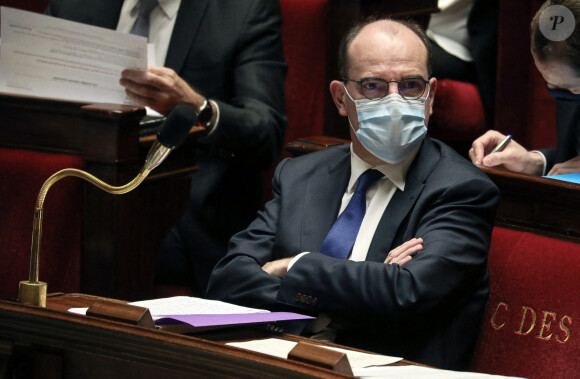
(541, 205)
(88, 347)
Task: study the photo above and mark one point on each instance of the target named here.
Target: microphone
(172, 133)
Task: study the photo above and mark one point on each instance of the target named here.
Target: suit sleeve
(252, 123)
(550, 154)
(238, 278)
(455, 224)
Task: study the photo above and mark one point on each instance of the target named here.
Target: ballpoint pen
(502, 144)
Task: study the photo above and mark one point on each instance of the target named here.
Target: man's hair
(566, 51)
(343, 59)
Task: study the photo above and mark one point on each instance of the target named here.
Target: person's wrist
(535, 164)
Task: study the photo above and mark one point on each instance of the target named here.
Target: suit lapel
(186, 28)
(402, 202)
(109, 13)
(322, 200)
(104, 14)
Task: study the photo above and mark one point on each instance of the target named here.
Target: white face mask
(392, 127)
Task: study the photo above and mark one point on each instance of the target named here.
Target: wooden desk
(121, 234)
(540, 205)
(53, 343)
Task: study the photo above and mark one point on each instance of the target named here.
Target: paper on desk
(186, 305)
(572, 178)
(417, 372)
(202, 312)
(201, 320)
(281, 348)
(44, 56)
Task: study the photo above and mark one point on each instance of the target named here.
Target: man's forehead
(388, 30)
(395, 46)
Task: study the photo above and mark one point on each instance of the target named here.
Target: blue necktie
(141, 25)
(340, 239)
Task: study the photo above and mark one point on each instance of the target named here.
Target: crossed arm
(399, 255)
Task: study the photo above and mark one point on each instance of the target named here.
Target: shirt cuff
(544, 159)
(217, 117)
(295, 259)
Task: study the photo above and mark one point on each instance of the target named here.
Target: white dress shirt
(378, 197)
(161, 21)
(449, 27)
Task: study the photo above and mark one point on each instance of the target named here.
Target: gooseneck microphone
(172, 133)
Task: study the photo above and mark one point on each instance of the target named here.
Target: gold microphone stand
(33, 291)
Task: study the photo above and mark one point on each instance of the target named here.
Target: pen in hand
(502, 144)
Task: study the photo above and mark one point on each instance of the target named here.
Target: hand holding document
(43, 56)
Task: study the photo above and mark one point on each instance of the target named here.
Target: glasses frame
(388, 82)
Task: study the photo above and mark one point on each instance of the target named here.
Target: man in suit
(432, 211)
(558, 63)
(228, 52)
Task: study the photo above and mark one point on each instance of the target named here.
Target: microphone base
(32, 293)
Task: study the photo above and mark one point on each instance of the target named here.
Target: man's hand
(568, 167)
(514, 157)
(402, 254)
(277, 268)
(159, 88)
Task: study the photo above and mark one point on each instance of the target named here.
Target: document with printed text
(48, 57)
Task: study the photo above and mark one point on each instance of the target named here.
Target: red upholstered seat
(531, 326)
(458, 115)
(304, 38)
(523, 107)
(22, 174)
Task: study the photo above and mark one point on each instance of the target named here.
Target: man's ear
(339, 96)
(432, 89)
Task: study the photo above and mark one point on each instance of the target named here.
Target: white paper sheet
(186, 305)
(43, 56)
(280, 348)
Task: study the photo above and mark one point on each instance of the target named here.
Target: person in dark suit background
(558, 63)
(432, 213)
(228, 52)
(464, 35)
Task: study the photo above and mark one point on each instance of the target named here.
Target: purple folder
(205, 320)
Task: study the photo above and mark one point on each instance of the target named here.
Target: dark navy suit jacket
(429, 310)
(231, 52)
(567, 128)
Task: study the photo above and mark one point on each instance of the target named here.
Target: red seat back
(531, 326)
(523, 107)
(458, 116)
(22, 174)
(304, 37)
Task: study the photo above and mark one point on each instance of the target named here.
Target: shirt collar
(395, 172)
(169, 7)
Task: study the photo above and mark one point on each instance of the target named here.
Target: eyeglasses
(377, 88)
